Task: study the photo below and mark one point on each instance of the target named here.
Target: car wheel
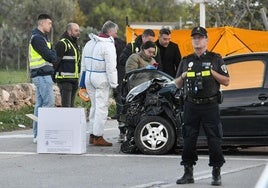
(154, 135)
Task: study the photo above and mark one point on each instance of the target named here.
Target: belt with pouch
(209, 100)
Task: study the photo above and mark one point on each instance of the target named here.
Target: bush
(10, 119)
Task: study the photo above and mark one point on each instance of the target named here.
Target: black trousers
(118, 98)
(68, 93)
(119, 105)
(208, 116)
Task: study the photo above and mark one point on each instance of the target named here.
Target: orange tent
(223, 40)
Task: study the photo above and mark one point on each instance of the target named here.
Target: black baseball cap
(199, 31)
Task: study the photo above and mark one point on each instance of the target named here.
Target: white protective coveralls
(99, 62)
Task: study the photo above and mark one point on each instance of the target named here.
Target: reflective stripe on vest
(36, 60)
(62, 75)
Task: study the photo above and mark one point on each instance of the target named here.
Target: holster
(220, 97)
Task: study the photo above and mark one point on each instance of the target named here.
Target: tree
(237, 13)
(19, 17)
(79, 17)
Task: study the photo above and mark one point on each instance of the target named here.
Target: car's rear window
(244, 75)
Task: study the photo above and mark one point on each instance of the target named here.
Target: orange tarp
(223, 40)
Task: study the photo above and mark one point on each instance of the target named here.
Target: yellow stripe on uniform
(206, 73)
(190, 74)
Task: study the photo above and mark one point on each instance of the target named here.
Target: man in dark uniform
(119, 46)
(200, 74)
(169, 53)
(68, 68)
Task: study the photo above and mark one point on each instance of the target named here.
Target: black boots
(187, 176)
(216, 176)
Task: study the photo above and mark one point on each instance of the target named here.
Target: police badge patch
(224, 68)
(190, 64)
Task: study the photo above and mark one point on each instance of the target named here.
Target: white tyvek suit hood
(99, 56)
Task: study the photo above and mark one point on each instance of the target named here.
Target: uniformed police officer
(68, 68)
(200, 75)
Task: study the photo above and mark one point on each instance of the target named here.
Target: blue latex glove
(82, 80)
(150, 67)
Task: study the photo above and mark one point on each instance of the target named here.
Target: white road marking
(197, 177)
(17, 153)
(161, 184)
(16, 136)
(133, 156)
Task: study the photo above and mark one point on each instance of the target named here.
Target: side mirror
(262, 97)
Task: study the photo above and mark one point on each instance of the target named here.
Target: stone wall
(19, 95)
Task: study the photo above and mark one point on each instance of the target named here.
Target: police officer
(68, 67)
(42, 58)
(200, 75)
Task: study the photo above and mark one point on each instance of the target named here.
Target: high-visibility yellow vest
(75, 58)
(35, 59)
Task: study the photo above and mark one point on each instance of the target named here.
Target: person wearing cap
(169, 53)
(42, 58)
(200, 75)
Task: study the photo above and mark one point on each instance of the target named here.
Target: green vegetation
(10, 119)
(12, 77)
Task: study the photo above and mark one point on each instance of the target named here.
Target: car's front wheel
(154, 135)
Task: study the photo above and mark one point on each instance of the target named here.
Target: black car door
(242, 112)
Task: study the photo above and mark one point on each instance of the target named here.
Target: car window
(245, 75)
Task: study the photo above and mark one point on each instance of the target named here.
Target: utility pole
(264, 18)
(202, 15)
(202, 9)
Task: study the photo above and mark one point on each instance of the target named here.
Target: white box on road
(61, 130)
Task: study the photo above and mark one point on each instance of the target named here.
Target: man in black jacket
(68, 68)
(119, 46)
(169, 53)
(41, 60)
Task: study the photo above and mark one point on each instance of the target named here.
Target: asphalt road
(103, 167)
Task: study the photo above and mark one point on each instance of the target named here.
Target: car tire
(154, 135)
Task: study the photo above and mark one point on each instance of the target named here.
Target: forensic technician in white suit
(99, 75)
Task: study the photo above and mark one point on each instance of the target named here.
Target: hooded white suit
(99, 62)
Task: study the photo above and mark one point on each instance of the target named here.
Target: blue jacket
(39, 43)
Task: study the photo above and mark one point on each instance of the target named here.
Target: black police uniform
(201, 106)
